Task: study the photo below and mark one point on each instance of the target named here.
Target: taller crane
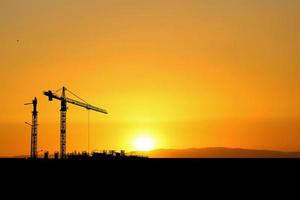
(63, 111)
(33, 145)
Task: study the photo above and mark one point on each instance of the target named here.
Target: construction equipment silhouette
(33, 144)
(63, 111)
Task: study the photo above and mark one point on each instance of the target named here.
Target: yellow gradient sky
(187, 73)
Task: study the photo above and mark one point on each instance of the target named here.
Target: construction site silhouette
(104, 155)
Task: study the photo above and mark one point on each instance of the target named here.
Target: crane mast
(63, 118)
(33, 144)
(63, 114)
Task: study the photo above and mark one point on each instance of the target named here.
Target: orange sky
(188, 73)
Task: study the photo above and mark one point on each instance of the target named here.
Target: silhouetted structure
(112, 155)
(56, 155)
(46, 155)
(33, 144)
(63, 111)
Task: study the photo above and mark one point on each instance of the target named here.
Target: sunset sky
(182, 73)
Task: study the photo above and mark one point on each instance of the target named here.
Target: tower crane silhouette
(63, 111)
(33, 144)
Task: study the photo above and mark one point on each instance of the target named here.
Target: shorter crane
(33, 144)
(63, 111)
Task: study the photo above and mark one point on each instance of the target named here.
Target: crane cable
(88, 116)
(57, 90)
(88, 131)
(76, 96)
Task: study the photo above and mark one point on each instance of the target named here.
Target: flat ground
(149, 174)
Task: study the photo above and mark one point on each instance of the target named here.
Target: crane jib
(52, 96)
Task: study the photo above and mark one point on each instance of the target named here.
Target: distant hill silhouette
(211, 152)
(218, 152)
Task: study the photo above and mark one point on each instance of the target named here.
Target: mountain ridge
(218, 152)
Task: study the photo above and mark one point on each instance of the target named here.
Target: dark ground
(152, 174)
(146, 166)
(150, 178)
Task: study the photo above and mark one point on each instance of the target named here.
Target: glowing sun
(144, 143)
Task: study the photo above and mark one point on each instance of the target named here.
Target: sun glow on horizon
(144, 143)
